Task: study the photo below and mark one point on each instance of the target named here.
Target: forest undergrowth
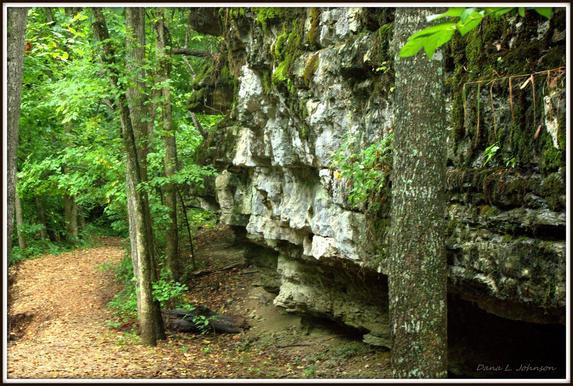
(61, 325)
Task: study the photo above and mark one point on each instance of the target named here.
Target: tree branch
(198, 125)
(191, 52)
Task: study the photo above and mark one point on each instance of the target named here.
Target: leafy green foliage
(169, 293)
(464, 20)
(37, 247)
(34, 249)
(490, 152)
(70, 133)
(366, 171)
(199, 218)
(202, 322)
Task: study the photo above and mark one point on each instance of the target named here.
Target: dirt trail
(59, 329)
(59, 315)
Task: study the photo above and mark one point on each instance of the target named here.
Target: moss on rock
(310, 68)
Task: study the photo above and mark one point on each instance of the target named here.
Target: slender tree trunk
(71, 217)
(133, 134)
(41, 212)
(70, 207)
(131, 208)
(417, 262)
(174, 262)
(16, 30)
(188, 226)
(81, 219)
(19, 223)
(135, 62)
(72, 11)
(49, 14)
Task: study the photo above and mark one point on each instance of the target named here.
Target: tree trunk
(132, 233)
(41, 212)
(72, 11)
(70, 207)
(174, 263)
(134, 137)
(71, 217)
(49, 14)
(16, 30)
(417, 262)
(188, 226)
(135, 63)
(20, 222)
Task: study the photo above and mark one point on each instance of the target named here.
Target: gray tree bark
(174, 263)
(417, 262)
(135, 63)
(41, 212)
(71, 217)
(70, 207)
(16, 30)
(134, 138)
(20, 222)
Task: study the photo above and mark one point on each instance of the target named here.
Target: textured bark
(191, 52)
(417, 262)
(16, 29)
(72, 11)
(71, 217)
(49, 14)
(174, 263)
(19, 222)
(41, 212)
(188, 227)
(70, 207)
(131, 208)
(134, 128)
(150, 320)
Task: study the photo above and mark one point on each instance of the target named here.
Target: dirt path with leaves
(59, 328)
(59, 324)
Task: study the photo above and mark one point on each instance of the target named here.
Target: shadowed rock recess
(314, 86)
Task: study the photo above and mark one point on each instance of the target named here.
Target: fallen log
(181, 320)
(225, 268)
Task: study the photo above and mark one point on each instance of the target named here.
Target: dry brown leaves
(60, 300)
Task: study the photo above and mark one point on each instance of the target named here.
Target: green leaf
(79, 16)
(521, 11)
(436, 41)
(468, 12)
(498, 12)
(470, 24)
(546, 12)
(411, 47)
(434, 29)
(451, 12)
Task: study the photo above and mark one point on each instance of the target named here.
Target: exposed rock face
(506, 214)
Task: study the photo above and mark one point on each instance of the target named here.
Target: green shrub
(124, 304)
(169, 293)
(366, 172)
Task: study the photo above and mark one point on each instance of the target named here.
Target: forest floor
(60, 326)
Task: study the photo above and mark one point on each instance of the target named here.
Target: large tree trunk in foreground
(176, 266)
(16, 31)
(417, 262)
(134, 137)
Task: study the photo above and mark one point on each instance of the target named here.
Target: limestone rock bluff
(316, 82)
